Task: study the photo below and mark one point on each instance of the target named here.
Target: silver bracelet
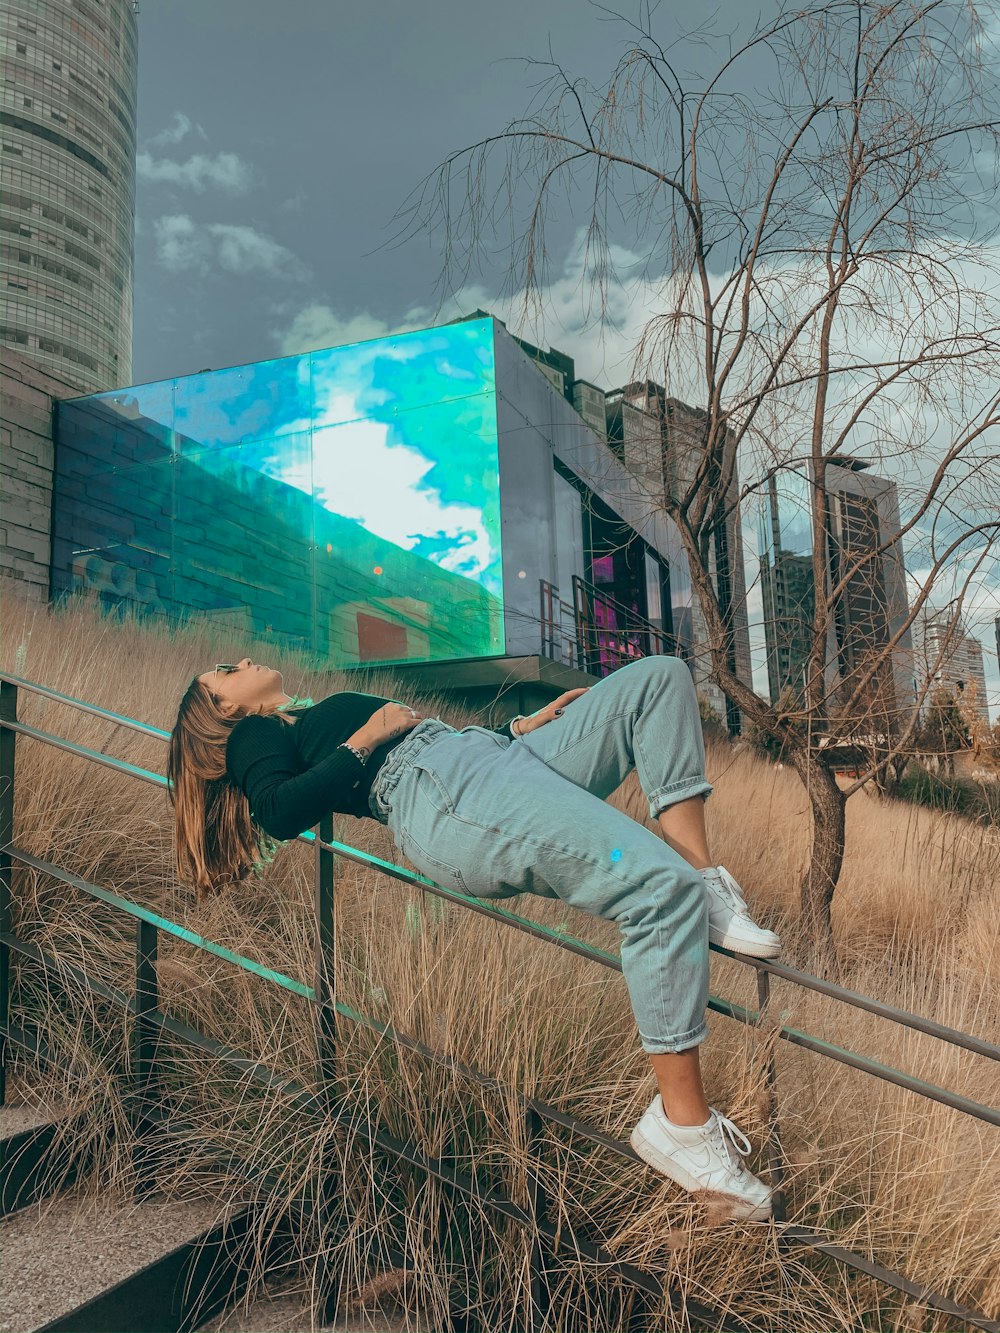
(520, 718)
(360, 752)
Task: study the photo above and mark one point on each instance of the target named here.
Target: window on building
(654, 589)
(568, 536)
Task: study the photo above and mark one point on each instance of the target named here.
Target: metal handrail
(730, 1009)
(150, 1017)
(8, 678)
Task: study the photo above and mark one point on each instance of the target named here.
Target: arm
(263, 762)
(521, 725)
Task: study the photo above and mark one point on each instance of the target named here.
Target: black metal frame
(546, 1239)
(633, 637)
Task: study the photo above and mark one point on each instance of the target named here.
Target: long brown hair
(217, 843)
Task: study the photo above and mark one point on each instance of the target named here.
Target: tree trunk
(826, 853)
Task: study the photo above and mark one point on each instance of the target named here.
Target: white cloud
(382, 485)
(317, 325)
(180, 244)
(185, 245)
(176, 132)
(295, 203)
(242, 249)
(223, 171)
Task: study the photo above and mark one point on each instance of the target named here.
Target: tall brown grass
(917, 918)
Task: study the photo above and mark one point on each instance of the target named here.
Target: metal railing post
(8, 713)
(537, 1206)
(326, 1036)
(774, 1160)
(144, 1054)
(545, 615)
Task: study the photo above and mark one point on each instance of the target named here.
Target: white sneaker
(705, 1157)
(729, 920)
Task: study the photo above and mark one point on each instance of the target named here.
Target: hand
(550, 713)
(387, 724)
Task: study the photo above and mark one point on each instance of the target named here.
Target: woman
(497, 813)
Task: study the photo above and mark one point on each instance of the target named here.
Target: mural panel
(346, 501)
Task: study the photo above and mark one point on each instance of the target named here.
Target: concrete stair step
(75, 1261)
(284, 1307)
(68, 1251)
(29, 1167)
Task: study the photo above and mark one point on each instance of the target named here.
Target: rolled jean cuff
(674, 1045)
(681, 790)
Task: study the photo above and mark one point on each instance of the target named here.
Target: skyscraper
(864, 572)
(67, 175)
(952, 659)
(661, 440)
(787, 583)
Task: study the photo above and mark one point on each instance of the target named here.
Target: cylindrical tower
(67, 176)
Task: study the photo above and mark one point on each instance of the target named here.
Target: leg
(682, 1093)
(492, 821)
(645, 716)
(683, 827)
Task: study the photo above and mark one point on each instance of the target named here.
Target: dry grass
(917, 919)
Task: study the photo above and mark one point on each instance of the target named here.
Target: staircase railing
(548, 1238)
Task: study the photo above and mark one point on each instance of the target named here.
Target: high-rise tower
(952, 658)
(863, 563)
(67, 174)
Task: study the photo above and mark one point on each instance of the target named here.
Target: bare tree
(825, 280)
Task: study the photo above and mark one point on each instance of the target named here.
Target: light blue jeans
(493, 817)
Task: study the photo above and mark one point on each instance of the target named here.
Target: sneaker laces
(727, 888)
(733, 1138)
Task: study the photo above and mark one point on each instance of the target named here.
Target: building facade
(661, 440)
(67, 177)
(603, 552)
(426, 498)
(27, 406)
(863, 568)
(951, 659)
(788, 588)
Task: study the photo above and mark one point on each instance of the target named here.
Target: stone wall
(27, 396)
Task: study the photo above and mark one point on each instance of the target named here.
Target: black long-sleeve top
(293, 773)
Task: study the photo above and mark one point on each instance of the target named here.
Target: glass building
(789, 596)
(863, 559)
(345, 502)
(420, 498)
(67, 183)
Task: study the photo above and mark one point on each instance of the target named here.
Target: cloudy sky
(278, 143)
